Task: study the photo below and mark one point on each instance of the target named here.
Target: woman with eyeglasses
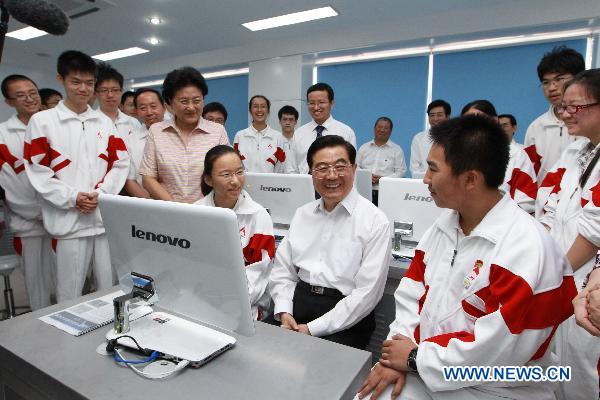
(222, 186)
(174, 155)
(572, 214)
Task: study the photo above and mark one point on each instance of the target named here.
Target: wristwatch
(412, 360)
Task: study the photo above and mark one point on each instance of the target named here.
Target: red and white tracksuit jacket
(260, 151)
(520, 179)
(258, 247)
(497, 304)
(24, 210)
(545, 140)
(570, 211)
(68, 153)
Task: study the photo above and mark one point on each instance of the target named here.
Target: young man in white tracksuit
(31, 241)
(547, 137)
(487, 286)
(75, 153)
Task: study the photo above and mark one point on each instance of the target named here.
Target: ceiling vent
(79, 8)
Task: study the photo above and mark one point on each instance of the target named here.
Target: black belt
(320, 290)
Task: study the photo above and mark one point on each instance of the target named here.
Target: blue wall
(232, 92)
(506, 76)
(367, 90)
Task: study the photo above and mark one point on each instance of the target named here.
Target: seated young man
(487, 286)
(331, 268)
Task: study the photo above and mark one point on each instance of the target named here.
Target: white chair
(7, 266)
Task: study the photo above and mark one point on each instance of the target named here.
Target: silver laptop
(176, 338)
(193, 253)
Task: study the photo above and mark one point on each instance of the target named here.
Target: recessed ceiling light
(26, 33)
(155, 20)
(290, 19)
(113, 55)
(153, 41)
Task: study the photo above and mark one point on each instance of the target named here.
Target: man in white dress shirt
(381, 156)
(331, 268)
(437, 111)
(508, 123)
(320, 103)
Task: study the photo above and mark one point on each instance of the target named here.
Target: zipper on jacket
(561, 131)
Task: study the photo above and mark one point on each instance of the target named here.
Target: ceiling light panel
(113, 55)
(26, 33)
(290, 19)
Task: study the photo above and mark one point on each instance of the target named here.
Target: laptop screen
(192, 252)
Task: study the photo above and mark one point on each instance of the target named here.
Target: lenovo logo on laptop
(412, 197)
(160, 238)
(275, 189)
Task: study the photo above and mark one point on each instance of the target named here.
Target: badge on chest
(473, 274)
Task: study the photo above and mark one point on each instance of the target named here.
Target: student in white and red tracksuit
(24, 213)
(572, 213)
(487, 286)
(519, 179)
(74, 153)
(222, 183)
(546, 137)
(259, 145)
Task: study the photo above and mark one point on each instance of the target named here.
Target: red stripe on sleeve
(18, 245)
(521, 309)
(271, 161)
(115, 144)
(280, 154)
(596, 194)
(553, 180)
(417, 334)
(444, 339)
(472, 310)
(258, 242)
(522, 181)
(535, 158)
(7, 157)
(542, 349)
(416, 271)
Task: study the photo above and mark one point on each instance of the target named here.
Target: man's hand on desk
(303, 328)
(380, 378)
(288, 322)
(394, 353)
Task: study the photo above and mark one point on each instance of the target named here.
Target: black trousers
(309, 306)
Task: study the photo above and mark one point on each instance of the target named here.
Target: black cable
(110, 346)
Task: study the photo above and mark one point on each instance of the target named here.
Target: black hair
(107, 73)
(330, 141)
(181, 78)
(209, 161)
(485, 106)
(513, 120)
(321, 86)
(46, 93)
(146, 90)
(13, 78)
(440, 103)
(215, 106)
(126, 95)
(384, 119)
(75, 61)
(561, 60)
(289, 110)
(474, 142)
(259, 96)
(590, 81)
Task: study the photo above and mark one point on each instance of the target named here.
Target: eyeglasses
(573, 108)
(322, 171)
(317, 103)
(228, 175)
(196, 101)
(105, 91)
(559, 80)
(23, 96)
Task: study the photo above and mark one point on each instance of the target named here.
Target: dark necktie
(319, 129)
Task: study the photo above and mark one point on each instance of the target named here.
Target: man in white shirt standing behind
(320, 103)
(381, 156)
(330, 269)
(437, 111)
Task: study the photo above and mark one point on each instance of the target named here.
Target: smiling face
(128, 107)
(585, 122)
(23, 96)
(259, 110)
(445, 188)
(187, 105)
(109, 95)
(333, 186)
(382, 131)
(150, 109)
(226, 179)
(319, 105)
(436, 115)
(79, 88)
